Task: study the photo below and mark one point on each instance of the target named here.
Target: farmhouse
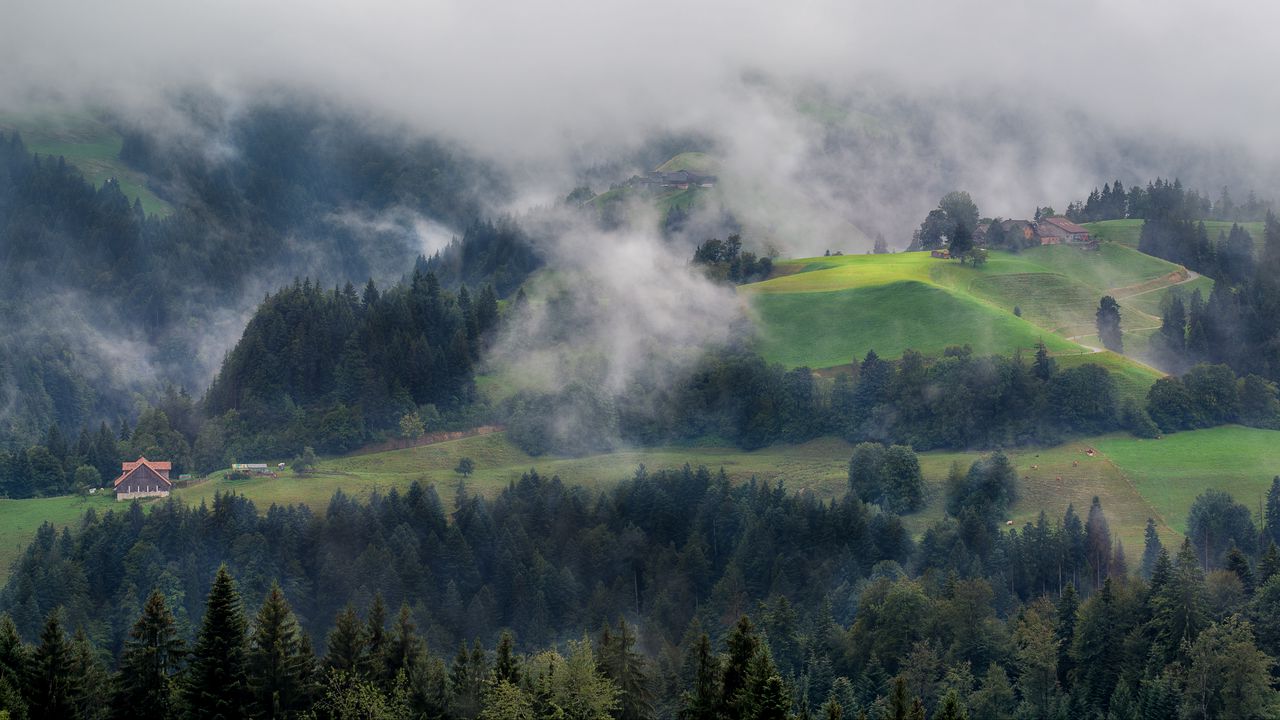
(143, 478)
(1058, 230)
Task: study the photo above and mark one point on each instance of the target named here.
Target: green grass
(823, 329)
(824, 311)
(19, 520)
(1172, 471)
(1134, 478)
(1128, 232)
(88, 143)
(694, 162)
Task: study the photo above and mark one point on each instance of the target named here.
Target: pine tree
(152, 657)
(408, 651)
(1065, 632)
(1044, 366)
(952, 708)
(13, 664)
(92, 699)
(348, 644)
(1239, 564)
(832, 710)
(1272, 514)
(1098, 543)
(1178, 607)
(1270, 563)
(702, 701)
(743, 645)
(51, 687)
(1108, 322)
(279, 666)
(506, 666)
(772, 701)
(1151, 549)
(216, 683)
(624, 666)
(376, 638)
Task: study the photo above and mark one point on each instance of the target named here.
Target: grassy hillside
(1135, 478)
(822, 329)
(88, 143)
(825, 311)
(694, 162)
(1127, 232)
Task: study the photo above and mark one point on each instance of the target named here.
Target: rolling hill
(822, 312)
(91, 145)
(1135, 479)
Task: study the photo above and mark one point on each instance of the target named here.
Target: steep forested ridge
(102, 301)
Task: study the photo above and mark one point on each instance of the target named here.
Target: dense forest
(87, 278)
(848, 615)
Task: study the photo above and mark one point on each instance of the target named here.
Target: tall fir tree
(217, 683)
(92, 699)
(52, 688)
(348, 644)
(152, 656)
(620, 662)
(1151, 548)
(701, 701)
(279, 665)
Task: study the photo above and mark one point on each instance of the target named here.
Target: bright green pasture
(823, 329)
(1128, 232)
(1172, 471)
(19, 520)
(88, 143)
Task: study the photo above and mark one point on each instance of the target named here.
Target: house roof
(142, 465)
(1064, 224)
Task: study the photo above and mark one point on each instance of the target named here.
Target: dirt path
(428, 439)
(1121, 294)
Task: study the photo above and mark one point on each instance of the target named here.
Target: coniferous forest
(647, 361)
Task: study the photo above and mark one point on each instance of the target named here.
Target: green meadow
(1128, 232)
(88, 143)
(1135, 479)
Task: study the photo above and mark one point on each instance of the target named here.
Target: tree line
(1115, 202)
(137, 612)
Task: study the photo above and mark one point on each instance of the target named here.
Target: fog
(831, 121)
(1018, 102)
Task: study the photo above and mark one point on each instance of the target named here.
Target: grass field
(824, 311)
(822, 329)
(694, 162)
(1127, 232)
(1134, 478)
(89, 144)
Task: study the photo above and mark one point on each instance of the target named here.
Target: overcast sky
(534, 83)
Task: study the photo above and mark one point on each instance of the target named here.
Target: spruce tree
(407, 649)
(702, 700)
(743, 644)
(376, 638)
(1151, 548)
(13, 666)
(1271, 516)
(348, 644)
(506, 666)
(1270, 563)
(280, 668)
(1178, 608)
(92, 698)
(1065, 632)
(952, 708)
(1108, 322)
(51, 686)
(216, 684)
(1239, 564)
(620, 662)
(149, 664)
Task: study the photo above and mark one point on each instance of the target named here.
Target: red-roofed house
(143, 478)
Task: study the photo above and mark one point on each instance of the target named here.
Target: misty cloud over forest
(832, 122)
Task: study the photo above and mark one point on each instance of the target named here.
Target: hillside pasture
(88, 143)
(823, 329)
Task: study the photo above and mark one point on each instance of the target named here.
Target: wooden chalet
(143, 478)
(1058, 230)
